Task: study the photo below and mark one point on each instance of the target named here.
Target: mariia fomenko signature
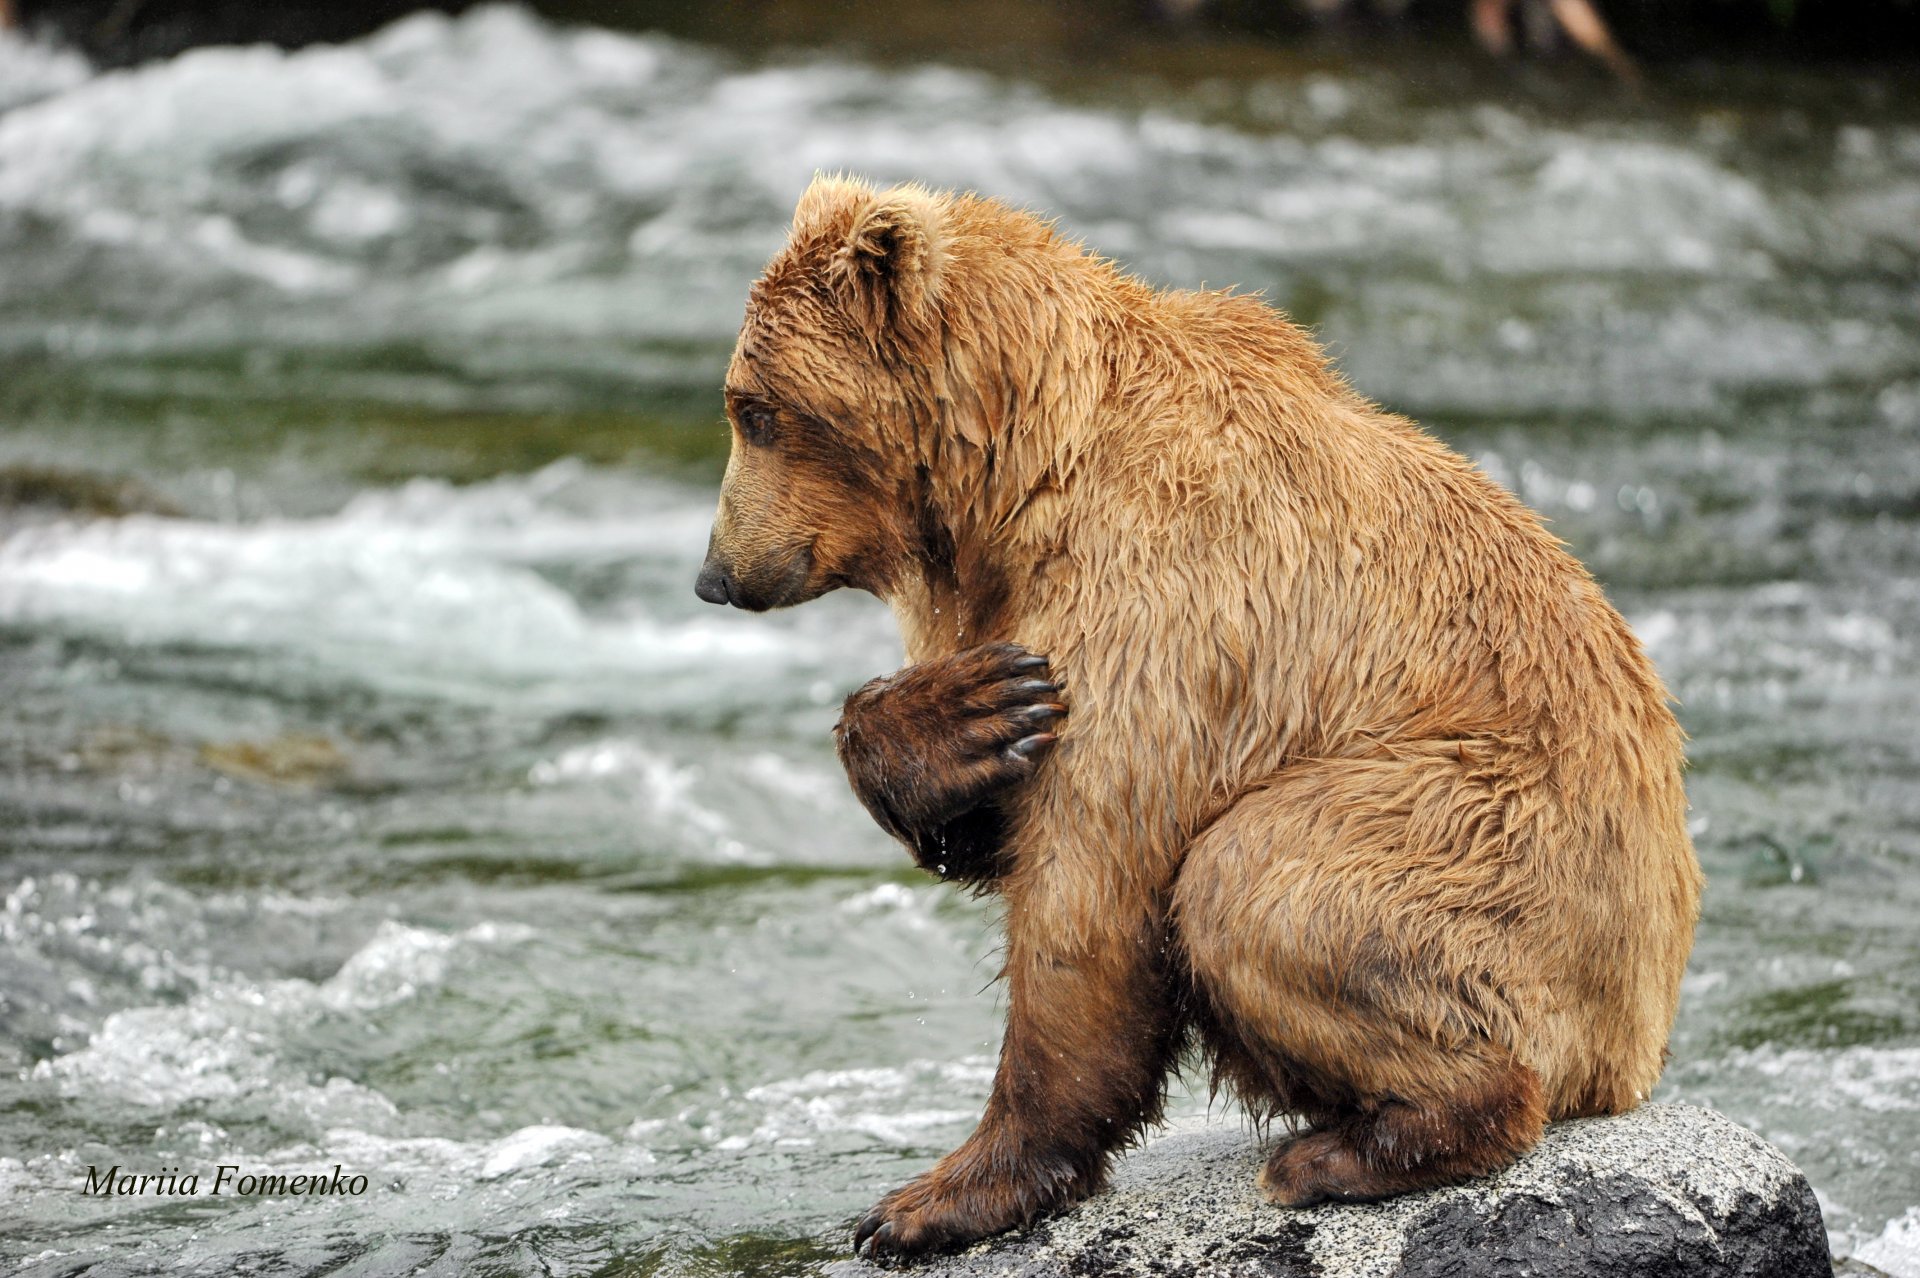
(227, 1179)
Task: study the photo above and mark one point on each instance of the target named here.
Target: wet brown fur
(1363, 778)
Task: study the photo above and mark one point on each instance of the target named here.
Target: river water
(376, 793)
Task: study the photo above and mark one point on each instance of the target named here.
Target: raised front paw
(939, 1212)
(937, 739)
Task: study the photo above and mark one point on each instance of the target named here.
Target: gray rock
(1665, 1192)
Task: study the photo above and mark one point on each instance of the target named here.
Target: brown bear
(1273, 722)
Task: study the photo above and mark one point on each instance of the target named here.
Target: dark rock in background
(1665, 1192)
(116, 32)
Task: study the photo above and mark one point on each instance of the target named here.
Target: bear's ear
(888, 268)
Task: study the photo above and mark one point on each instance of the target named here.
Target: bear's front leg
(929, 748)
(1092, 1029)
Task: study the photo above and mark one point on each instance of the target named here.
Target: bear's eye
(756, 423)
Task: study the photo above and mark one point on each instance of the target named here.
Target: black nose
(714, 585)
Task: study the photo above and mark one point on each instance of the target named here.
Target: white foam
(898, 902)
(886, 1104)
(220, 1045)
(44, 1255)
(616, 186)
(884, 897)
(128, 931)
(30, 71)
(1875, 1079)
(401, 961)
(447, 1166)
(613, 758)
(1608, 204)
(1897, 1249)
(792, 779)
(538, 1146)
(424, 584)
(211, 1050)
(15, 1180)
(664, 788)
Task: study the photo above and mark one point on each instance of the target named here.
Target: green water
(376, 792)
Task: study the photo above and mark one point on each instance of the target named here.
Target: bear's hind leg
(1395, 1146)
(1342, 931)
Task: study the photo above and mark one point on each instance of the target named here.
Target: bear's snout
(756, 585)
(714, 584)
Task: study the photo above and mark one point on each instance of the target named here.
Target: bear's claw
(942, 1210)
(1027, 747)
(876, 1229)
(941, 738)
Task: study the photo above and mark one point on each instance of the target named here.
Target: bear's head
(831, 394)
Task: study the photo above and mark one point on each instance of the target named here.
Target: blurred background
(374, 791)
